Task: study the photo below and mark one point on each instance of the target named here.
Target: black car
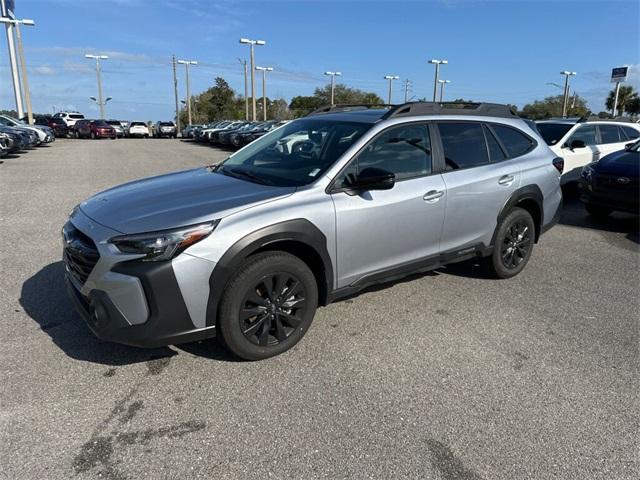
(56, 124)
(611, 184)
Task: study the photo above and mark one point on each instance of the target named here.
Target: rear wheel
(513, 244)
(597, 211)
(93, 136)
(268, 305)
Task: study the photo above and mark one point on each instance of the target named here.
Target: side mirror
(629, 145)
(577, 144)
(373, 179)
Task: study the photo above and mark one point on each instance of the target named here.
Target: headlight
(164, 245)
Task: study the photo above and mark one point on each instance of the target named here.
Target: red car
(93, 129)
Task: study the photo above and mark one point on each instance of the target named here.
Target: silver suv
(313, 211)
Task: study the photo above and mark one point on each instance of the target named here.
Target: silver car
(311, 212)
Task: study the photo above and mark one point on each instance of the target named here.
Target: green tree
(633, 107)
(302, 105)
(625, 95)
(552, 107)
(346, 95)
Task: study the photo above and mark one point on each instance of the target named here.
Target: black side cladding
(299, 230)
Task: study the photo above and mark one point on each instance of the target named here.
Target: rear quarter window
(631, 132)
(516, 143)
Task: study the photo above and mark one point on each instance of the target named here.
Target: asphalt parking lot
(447, 375)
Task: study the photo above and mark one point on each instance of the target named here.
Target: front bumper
(615, 199)
(137, 303)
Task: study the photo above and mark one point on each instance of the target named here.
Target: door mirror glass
(372, 178)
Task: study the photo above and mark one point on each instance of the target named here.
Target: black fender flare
(528, 192)
(298, 230)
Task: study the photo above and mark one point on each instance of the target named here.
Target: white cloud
(44, 70)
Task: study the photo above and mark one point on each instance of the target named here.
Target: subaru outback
(313, 211)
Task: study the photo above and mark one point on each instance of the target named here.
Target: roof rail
(346, 107)
(594, 118)
(451, 108)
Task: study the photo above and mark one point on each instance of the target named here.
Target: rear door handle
(506, 180)
(432, 195)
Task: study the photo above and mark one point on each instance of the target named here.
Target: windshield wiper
(246, 174)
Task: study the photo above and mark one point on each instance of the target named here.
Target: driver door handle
(432, 195)
(506, 180)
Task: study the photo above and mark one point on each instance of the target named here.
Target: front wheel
(513, 244)
(267, 306)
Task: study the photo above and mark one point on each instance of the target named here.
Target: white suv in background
(70, 118)
(138, 129)
(581, 142)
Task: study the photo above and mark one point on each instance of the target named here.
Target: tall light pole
(186, 64)
(246, 89)
(566, 74)
(391, 78)
(15, 77)
(253, 43)
(264, 71)
(23, 64)
(175, 92)
(407, 86)
(333, 76)
(442, 84)
(437, 63)
(97, 58)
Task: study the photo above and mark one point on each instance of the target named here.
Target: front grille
(612, 182)
(80, 253)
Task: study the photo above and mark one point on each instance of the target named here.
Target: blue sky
(502, 51)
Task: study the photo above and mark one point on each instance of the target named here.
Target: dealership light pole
(391, 78)
(246, 89)
(437, 63)
(252, 44)
(407, 87)
(186, 64)
(442, 84)
(97, 58)
(13, 62)
(333, 76)
(23, 65)
(175, 92)
(565, 100)
(264, 71)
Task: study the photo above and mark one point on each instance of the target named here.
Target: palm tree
(625, 95)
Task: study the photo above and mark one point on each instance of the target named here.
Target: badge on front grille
(623, 180)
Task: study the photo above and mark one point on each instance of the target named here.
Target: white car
(138, 129)
(70, 118)
(582, 142)
(45, 134)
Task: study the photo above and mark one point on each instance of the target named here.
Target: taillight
(558, 162)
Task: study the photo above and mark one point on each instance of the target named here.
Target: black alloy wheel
(516, 244)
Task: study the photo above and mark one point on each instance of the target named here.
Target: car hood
(624, 163)
(175, 200)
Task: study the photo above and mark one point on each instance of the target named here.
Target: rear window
(76, 116)
(552, 133)
(100, 123)
(632, 133)
(166, 124)
(138, 124)
(464, 145)
(515, 142)
(114, 122)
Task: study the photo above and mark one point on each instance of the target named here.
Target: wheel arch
(529, 198)
(298, 237)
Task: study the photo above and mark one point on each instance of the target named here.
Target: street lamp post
(97, 58)
(251, 44)
(23, 65)
(391, 78)
(186, 64)
(565, 100)
(15, 77)
(333, 76)
(246, 90)
(442, 84)
(437, 63)
(264, 71)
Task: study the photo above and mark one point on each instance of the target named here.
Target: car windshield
(138, 124)
(77, 116)
(114, 122)
(552, 133)
(294, 155)
(166, 124)
(100, 123)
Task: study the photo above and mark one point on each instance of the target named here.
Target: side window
(586, 133)
(610, 134)
(495, 150)
(515, 142)
(404, 151)
(632, 133)
(464, 145)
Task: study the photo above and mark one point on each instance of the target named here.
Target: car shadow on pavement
(575, 215)
(44, 298)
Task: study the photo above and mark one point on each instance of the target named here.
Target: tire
(597, 211)
(279, 322)
(93, 136)
(513, 244)
(77, 135)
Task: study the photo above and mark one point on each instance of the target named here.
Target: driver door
(378, 231)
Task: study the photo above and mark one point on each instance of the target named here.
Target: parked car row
(75, 125)
(17, 136)
(230, 133)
